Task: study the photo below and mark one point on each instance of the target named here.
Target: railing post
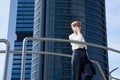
(23, 59)
(6, 58)
(100, 69)
(110, 76)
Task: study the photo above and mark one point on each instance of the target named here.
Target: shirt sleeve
(70, 38)
(80, 38)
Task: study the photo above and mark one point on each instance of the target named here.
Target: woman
(80, 62)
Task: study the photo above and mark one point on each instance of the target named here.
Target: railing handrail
(59, 40)
(71, 41)
(6, 57)
(57, 54)
(51, 40)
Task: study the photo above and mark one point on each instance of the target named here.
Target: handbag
(89, 69)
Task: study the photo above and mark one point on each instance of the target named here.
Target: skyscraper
(96, 32)
(52, 20)
(20, 26)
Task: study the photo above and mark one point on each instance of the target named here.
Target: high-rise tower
(20, 26)
(52, 20)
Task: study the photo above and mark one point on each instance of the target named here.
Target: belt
(80, 49)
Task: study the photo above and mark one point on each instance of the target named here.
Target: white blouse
(78, 37)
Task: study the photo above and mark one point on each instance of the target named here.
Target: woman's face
(74, 28)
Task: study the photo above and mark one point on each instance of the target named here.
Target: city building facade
(20, 26)
(52, 19)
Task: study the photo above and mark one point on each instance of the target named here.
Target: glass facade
(52, 19)
(96, 33)
(24, 28)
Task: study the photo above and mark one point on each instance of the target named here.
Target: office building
(52, 19)
(20, 26)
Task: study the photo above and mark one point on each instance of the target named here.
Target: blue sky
(4, 15)
(113, 32)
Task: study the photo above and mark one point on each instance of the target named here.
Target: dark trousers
(81, 65)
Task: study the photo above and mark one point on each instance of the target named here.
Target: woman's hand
(78, 30)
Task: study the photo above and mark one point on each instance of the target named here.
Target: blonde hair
(75, 23)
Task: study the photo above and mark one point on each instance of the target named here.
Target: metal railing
(59, 40)
(6, 57)
(49, 53)
(56, 54)
(110, 76)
